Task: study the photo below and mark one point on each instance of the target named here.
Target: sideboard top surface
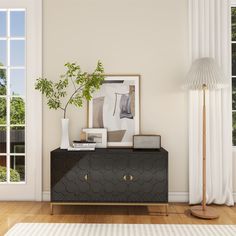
(114, 150)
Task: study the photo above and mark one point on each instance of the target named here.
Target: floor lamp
(205, 75)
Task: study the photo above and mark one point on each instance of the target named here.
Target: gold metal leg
(167, 206)
(51, 208)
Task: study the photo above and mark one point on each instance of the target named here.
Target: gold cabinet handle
(86, 177)
(125, 177)
(130, 177)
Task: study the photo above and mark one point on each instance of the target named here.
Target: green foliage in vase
(84, 84)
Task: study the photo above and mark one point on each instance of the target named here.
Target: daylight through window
(12, 95)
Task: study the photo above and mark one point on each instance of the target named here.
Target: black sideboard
(112, 176)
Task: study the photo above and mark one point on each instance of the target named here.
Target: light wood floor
(16, 212)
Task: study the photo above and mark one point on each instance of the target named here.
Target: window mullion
(7, 97)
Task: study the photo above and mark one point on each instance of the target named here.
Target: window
(12, 94)
(20, 117)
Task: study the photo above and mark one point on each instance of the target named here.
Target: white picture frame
(97, 135)
(105, 109)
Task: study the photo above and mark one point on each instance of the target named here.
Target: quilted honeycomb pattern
(109, 175)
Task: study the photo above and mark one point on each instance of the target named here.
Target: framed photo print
(99, 136)
(115, 106)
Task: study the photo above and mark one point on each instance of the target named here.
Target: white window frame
(8, 96)
(33, 119)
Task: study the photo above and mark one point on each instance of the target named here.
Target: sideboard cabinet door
(107, 178)
(69, 178)
(148, 181)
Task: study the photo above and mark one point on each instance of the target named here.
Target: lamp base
(208, 214)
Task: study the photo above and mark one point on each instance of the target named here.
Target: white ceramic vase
(64, 134)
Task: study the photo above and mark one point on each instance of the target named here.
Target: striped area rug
(58, 229)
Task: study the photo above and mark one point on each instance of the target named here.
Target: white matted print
(115, 106)
(99, 136)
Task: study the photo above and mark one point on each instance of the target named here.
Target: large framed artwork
(115, 106)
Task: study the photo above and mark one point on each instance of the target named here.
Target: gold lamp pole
(205, 74)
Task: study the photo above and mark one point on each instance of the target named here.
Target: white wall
(148, 37)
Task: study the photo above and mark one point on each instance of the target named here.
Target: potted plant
(84, 84)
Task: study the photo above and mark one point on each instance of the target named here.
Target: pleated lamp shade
(205, 72)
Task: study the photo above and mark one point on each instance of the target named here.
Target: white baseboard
(234, 196)
(173, 196)
(178, 196)
(46, 196)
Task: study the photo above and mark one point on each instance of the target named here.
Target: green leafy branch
(84, 85)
